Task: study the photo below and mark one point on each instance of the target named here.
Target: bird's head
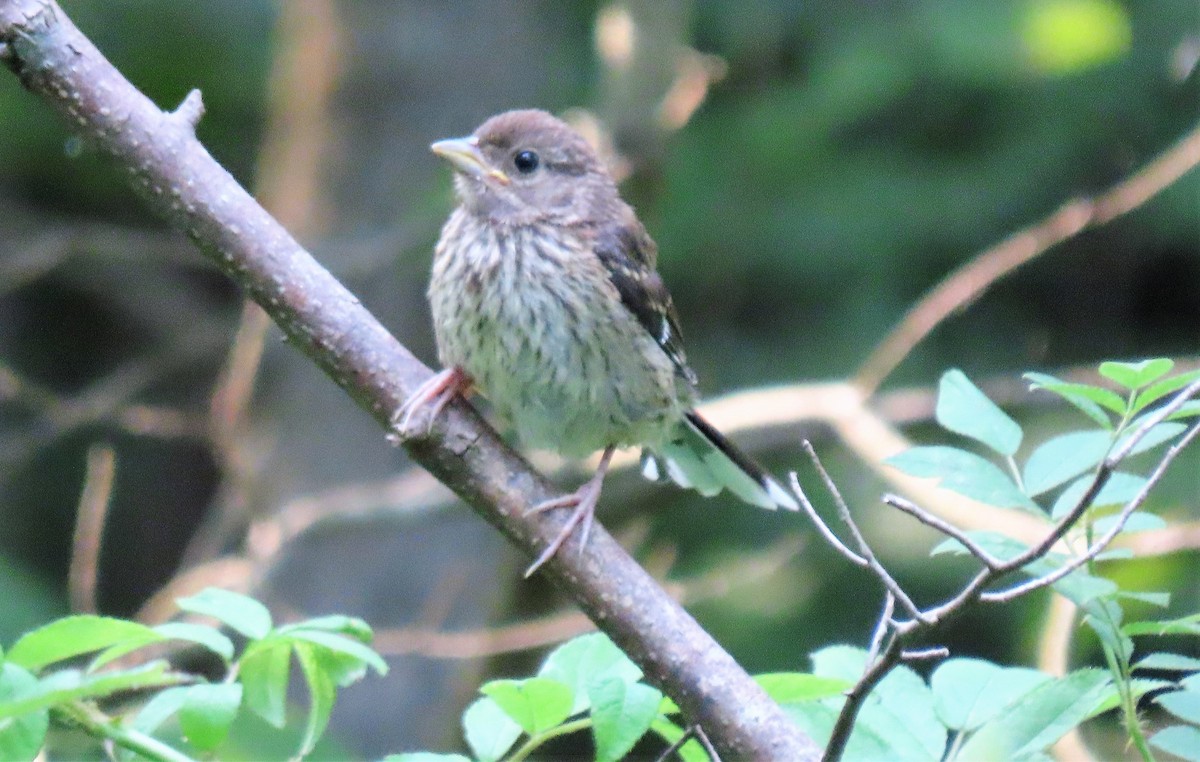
(522, 167)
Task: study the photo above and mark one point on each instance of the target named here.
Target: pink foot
(434, 394)
(584, 500)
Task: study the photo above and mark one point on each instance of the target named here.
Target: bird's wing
(627, 253)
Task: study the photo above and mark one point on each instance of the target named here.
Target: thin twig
(675, 747)
(823, 528)
(709, 749)
(882, 626)
(89, 528)
(945, 527)
(863, 547)
(925, 654)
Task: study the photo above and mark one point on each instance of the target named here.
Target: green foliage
(589, 684)
(42, 678)
(1073, 464)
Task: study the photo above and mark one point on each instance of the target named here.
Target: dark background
(849, 155)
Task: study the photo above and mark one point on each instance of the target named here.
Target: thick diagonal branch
(182, 182)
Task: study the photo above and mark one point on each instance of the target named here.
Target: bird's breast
(530, 314)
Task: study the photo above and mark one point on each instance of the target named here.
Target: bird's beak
(466, 157)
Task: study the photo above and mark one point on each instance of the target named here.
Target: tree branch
(180, 181)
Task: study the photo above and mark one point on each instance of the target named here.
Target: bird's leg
(434, 394)
(584, 499)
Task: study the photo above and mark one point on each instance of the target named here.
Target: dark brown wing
(628, 254)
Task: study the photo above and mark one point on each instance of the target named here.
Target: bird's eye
(526, 162)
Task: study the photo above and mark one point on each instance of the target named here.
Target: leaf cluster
(45, 676)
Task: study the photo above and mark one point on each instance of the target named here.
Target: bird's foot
(584, 501)
(434, 394)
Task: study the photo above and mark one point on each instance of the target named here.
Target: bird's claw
(435, 393)
(584, 500)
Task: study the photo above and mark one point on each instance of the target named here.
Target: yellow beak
(464, 155)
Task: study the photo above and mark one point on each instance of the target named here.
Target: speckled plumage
(545, 297)
(530, 313)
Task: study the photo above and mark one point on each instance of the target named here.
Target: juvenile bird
(546, 300)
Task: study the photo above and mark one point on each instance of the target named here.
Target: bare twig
(925, 654)
(883, 626)
(864, 548)
(89, 528)
(179, 180)
(945, 527)
(823, 528)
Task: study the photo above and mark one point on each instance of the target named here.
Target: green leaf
(965, 473)
(1120, 488)
(264, 672)
(336, 623)
(489, 731)
(536, 703)
(1041, 717)
(1104, 616)
(159, 709)
(840, 662)
(425, 756)
(1157, 435)
(1181, 740)
(621, 715)
(1183, 704)
(970, 692)
(1138, 687)
(201, 635)
(73, 636)
(1167, 661)
(1079, 587)
(342, 645)
(816, 718)
(1135, 375)
(21, 736)
(1064, 457)
(321, 695)
(1188, 625)
(790, 687)
(964, 409)
(1091, 400)
(240, 612)
(1187, 410)
(1162, 600)
(586, 659)
(1137, 522)
(1160, 389)
(207, 712)
(901, 709)
(896, 722)
(71, 684)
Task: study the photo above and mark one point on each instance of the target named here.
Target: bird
(546, 300)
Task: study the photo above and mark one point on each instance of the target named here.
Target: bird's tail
(699, 457)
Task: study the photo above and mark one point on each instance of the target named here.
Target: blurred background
(809, 170)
